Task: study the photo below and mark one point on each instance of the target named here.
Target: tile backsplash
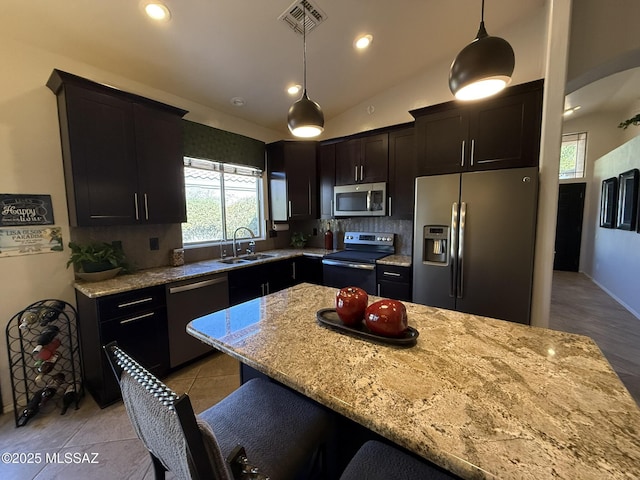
(402, 228)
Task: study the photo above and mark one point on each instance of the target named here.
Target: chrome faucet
(235, 249)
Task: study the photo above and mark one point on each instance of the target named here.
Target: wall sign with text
(18, 210)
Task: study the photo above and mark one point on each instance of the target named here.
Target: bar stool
(378, 461)
(259, 431)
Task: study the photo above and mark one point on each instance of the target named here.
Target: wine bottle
(46, 352)
(47, 335)
(32, 408)
(70, 396)
(50, 311)
(28, 318)
(46, 366)
(328, 238)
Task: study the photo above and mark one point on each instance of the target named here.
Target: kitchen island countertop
(480, 397)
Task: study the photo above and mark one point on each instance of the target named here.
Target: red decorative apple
(387, 318)
(351, 302)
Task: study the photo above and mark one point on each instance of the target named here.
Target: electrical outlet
(154, 243)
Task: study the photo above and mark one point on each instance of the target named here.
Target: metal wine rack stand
(22, 363)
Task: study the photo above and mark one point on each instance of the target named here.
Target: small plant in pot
(298, 240)
(96, 257)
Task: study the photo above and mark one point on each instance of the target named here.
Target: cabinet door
(280, 275)
(327, 178)
(247, 283)
(300, 168)
(441, 142)
(402, 173)
(347, 162)
(505, 133)
(99, 153)
(374, 158)
(161, 196)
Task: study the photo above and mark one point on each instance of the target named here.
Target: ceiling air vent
(294, 15)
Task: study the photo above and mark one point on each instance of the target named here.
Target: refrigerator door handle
(452, 250)
(463, 217)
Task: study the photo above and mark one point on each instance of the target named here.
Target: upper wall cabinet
(122, 155)
(362, 160)
(326, 178)
(501, 132)
(291, 167)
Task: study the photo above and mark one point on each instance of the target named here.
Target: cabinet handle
(378, 290)
(262, 289)
(473, 148)
(193, 286)
(135, 302)
(355, 175)
(391, 274)
(361, 172)
(389, 213)
(146, 208)
(139, 317)
(462, 154)
(135, 201)
(293, 272)
(331, 208)
(268, 288)
(309, 190)
(289, 208)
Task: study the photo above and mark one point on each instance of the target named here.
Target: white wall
(616, 253)
(31, 162)
(603, 135)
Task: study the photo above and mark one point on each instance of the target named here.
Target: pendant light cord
(482, 32)
(304, 49)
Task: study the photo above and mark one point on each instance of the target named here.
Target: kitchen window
(220, 198)
(572, 155)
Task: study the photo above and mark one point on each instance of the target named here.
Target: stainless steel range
(356, 264)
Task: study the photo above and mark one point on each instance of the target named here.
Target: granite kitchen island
(480, 397)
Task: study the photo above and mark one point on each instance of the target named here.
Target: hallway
(579, 306)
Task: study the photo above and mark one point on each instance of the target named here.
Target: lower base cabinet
(137, 320)
(394, 282)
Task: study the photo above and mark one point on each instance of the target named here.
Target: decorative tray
(328, 317)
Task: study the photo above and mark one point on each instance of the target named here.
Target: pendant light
(305, 118)
(483, 67)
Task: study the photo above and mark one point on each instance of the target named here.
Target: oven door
(365, 199)
(343, 273)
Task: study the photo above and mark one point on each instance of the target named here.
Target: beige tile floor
(107, 431)
(578, 305)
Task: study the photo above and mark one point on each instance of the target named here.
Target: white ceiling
(213, 50)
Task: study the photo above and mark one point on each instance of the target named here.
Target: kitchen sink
(245, 259)
(256, 256)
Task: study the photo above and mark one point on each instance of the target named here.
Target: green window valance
(202, 141)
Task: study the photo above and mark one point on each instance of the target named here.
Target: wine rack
(56, 322)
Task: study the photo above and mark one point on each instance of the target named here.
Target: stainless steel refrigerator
(474, 237)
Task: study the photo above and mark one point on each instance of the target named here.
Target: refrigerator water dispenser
(436, 245)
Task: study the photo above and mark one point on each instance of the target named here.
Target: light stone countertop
(480, 397)
(162, 275)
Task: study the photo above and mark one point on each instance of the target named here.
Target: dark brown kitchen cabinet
(137, 320)
(394, 281)
(362, 159)
(122, 155)
(402, 173)
(291, 169)
(326, 178)
(500, 132)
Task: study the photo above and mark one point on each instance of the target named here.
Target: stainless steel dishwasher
(189, 299)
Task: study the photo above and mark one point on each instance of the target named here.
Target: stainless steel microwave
(360, 200)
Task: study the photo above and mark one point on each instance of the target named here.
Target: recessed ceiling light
(238, 101)
(569, 111)
(294, 89)
(157, 11)
(363, 41)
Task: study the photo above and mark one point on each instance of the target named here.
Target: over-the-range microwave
(360, 200)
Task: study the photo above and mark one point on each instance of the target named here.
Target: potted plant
(298, 240)
(96, 257)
